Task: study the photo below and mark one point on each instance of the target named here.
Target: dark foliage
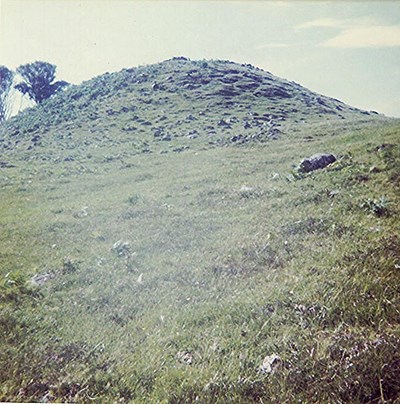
(39, 81)
(6, 79)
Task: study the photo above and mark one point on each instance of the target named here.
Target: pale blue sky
(347, 50)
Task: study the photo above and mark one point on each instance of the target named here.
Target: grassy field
(171, 276)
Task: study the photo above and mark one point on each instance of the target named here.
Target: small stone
(41, 279)
(374, 170)
(83, 212)
(184, 357)
(246, 188)
(270, 364)
(122, 248)
(332, 193)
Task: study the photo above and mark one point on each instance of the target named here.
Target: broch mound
(159, 245)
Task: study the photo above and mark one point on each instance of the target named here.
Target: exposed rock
(193, 134)
(167, 137)
(157, 132)
(190, 117)
(239, 139)
(183, 58)
(129, 128)
(35, 139)
(273, 133)
(5, 164)
(316, 162)
(246, 125)
(232, 119)
(180, 149)
(224, 123)
(230, 79)
(248, 86)
(228, 92)
(190, 86)
(272, 92)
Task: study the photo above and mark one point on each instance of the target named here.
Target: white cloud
(323, 23)
(378, 36)
(361, 32)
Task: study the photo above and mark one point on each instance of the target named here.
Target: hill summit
(217, 101)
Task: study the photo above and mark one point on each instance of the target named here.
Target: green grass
(222, 252)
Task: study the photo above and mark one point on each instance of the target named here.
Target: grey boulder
(316, 162)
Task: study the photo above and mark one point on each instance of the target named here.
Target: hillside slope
(143, 263)
(177, 100)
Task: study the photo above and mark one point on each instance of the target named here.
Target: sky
(346, 50)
